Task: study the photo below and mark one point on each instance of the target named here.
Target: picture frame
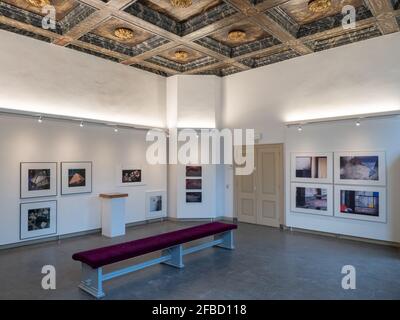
(361, 203)
(360, 168)
(312, 198)
(156, 204)
(194, 184)
(76, 177)
(129, 175)
(194, 171)
(38, 179)
(194, 197)
(312, 167)
(38, 219)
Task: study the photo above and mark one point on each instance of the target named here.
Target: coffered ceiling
(208, 37)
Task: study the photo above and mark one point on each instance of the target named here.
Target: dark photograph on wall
(359, 168)
(131, 176)
(193, 197)
(155, 203)
(39, 179)
(193, 184)
(312, 167)
(193, 171)
(359, 202)
(76, 178)
(312, 198)
(38, 219)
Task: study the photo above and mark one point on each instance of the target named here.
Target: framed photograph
(193, 184)
(360, 168)
(312, 198)
(76, 177)
(194, 197)
(38, 219)
(361, 203)
(129, 175)
(156, 204)
(38, 179)
(193, 171)
(312, 167)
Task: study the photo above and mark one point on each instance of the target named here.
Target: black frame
(20, 181)
(91, 177)
(20, 220)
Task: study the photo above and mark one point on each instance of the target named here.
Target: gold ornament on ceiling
(318, 6)
(181, 55)
(181, 3)
(236, 35)
(123, 33)
(38, 3)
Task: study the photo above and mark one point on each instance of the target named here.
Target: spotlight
(115, 129)
(300, 129)
(81, 124)
(40, 120)
(358, 123)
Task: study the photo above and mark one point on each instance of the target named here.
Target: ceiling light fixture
(182, 4)
(81, 124)
(236, 35)
(115, 130)
(39, 3)
(318, 6)
(40, 120)
(300, 129)
(181, 55)
(123, 33)
(358, 123)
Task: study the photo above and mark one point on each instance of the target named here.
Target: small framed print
(312, 198)
(194, 197)
(38, 219)
(361, 203)
(194, 171)
(156, 204)
(312, 167)
(38, 179)
(360, 168)
(76, 177)
(129, 175)
(194, 184)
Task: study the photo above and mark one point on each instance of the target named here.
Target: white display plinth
(113, 214)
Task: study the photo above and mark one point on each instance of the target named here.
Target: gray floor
(267, 264)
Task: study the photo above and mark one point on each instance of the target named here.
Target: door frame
(281, 146)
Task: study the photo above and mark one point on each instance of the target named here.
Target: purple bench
(172, 253)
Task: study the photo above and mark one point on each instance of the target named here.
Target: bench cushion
(107, 255)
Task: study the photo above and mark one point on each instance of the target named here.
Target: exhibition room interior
(200, 149)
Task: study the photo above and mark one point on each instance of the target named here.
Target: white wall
(194, 101)
(45, 78)
(25, 140)
(358, 78)
(373, 135)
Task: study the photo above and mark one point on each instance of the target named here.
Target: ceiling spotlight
(358, 123)
(300, 129)
(318, 6)
(123, 34)
(40, 120)
(38, 3)
(115, 129)
(81, 124)
(181, 3)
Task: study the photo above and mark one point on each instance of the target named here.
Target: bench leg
(176, 254)
(92, 281)
(227, 240)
